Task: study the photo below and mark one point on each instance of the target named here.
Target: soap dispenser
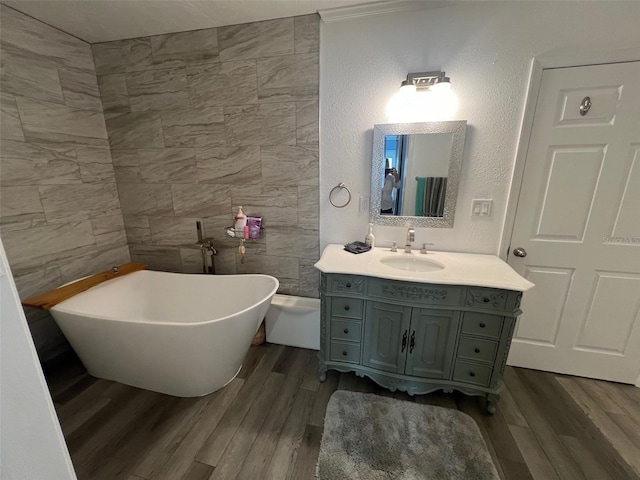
(240, 220)
(370, 238)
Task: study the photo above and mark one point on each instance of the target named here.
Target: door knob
(520, 252)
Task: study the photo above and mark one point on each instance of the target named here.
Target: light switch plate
(481, 207)
(364, 204)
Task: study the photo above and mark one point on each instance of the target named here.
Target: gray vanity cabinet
(425, 337)
(417, 337)
(382, 335)
(432, 338)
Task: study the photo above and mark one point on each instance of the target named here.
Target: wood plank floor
(267, 424)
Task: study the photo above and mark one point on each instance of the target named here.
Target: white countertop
(459, 268)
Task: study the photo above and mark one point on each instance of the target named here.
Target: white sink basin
(411, 263)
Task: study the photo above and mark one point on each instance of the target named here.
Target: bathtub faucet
(206, 245)
(208, 251)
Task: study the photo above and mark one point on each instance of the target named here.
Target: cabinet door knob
(344, 352)
(472, 374)
(482, 325)
(346, 307)
(477, 350)
(348, 285)
(346, 330)
(486, 299)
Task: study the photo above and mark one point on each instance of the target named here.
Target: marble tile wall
(201, 122)
(60, 215)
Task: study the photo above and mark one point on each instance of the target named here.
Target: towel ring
(339, 186)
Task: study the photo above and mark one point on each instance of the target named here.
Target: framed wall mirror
(415, 173)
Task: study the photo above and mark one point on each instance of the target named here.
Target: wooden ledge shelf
(51, 298)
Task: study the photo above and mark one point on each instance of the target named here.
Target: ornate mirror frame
(458, 129)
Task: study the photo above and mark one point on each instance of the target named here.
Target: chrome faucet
(207, 248)
(411, 237)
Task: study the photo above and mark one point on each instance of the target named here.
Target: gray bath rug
(369, 437)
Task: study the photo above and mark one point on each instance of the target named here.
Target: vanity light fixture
(421, 81)
(423, 97)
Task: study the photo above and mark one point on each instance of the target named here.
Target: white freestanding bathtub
(179, 334)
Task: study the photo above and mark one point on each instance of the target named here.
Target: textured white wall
(31, 441)
(486, 48)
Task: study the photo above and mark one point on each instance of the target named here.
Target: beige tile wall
(200, 122)
(60, 215)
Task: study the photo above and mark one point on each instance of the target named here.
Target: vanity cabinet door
(386, 336)
(432, 340)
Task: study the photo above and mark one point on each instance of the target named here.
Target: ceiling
(105, 20)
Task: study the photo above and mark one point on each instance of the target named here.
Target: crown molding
(353, 12)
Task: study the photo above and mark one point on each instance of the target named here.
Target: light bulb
(441, 87)
(445, 100)
(407, 88)
(400, 107)
(438, 102)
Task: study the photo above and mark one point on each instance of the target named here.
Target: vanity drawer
(482, 324)
(345, 352)
(477, 350)
(351, 284)
(487, 298)
(415, 293)
(474, 373)
(346, 307)
(349, 330)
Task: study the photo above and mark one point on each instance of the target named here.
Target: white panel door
(578, 221)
